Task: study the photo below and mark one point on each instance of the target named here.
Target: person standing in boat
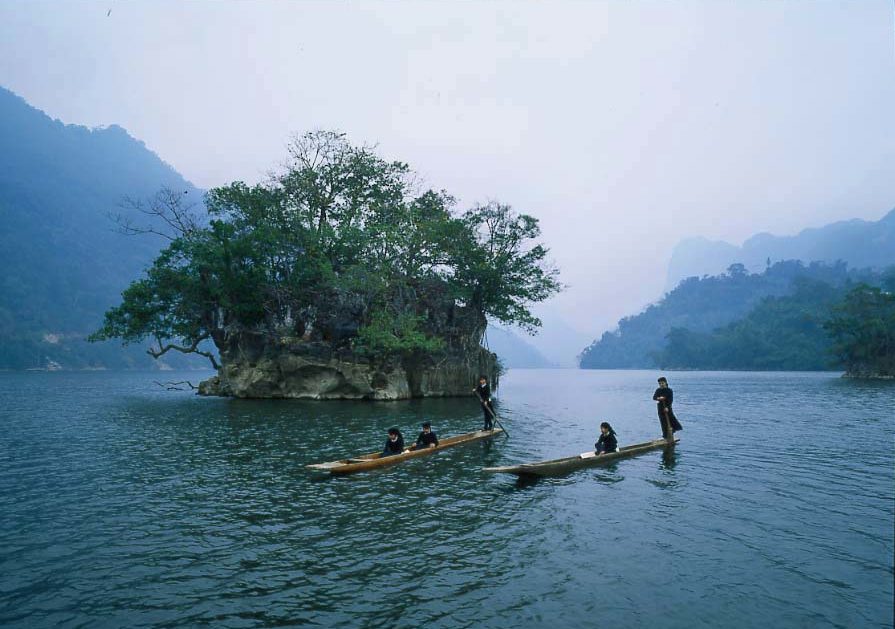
(607, 442)
(394, 444)
(484, 393)
(427, 438)
(664, 398)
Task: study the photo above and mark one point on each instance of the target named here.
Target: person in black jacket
(608, 442)
(484, 393)
(427, 438)
(664, 398)
(394, 444)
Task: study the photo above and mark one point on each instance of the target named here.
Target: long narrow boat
(556, 467)
(375, 459)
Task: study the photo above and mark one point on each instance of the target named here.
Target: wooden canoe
(586, 459)
(375, 459)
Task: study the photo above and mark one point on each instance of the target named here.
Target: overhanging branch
(192, 349)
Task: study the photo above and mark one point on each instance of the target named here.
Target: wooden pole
(493, 414)
(668, 430)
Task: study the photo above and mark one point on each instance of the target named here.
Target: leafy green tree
(498, 270)
(340, 248)
(863, 331)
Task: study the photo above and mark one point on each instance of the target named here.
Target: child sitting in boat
(608, 442)
(394, 444)
(427, 438)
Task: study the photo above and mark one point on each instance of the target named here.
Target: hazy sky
(623, 126)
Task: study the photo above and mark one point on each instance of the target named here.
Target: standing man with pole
(664, 398)
(483, 390)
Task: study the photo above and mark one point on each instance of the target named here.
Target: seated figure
(608, 442)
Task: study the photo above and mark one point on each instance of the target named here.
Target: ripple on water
(126, 506)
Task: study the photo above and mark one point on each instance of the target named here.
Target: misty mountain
(513, 350)
(860, 243)
(556, 340)
(64, 261)
(701, 305)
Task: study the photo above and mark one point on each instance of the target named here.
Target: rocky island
(340, 278)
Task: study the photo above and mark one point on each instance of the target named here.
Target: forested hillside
(736, 320)
(64, 262)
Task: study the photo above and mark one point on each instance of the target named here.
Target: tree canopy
(342, 247)
(863, 330)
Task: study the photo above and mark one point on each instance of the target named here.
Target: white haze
(623, 126)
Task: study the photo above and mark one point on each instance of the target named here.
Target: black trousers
(672, 420)
(488, 410)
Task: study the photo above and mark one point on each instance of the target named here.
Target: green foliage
(863, 330)
(497, 270)
(780, 333)
(701, 305)
(395, 334)
(340, 248)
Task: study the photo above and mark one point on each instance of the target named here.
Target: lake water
(124, 505)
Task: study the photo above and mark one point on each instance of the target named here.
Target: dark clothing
(424, 440)
(665, 392)
(666, 413)
(484, 391)
(393, 447)
(607, 443)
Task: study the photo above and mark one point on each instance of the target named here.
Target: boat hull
(375, 459)
(565, 465)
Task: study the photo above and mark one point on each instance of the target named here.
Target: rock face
(260, 366)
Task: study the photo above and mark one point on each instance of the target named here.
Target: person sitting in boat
(608, 442)
(664, 398)
(427, 438)
(394, 444)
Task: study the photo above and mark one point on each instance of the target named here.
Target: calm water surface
(123, 505)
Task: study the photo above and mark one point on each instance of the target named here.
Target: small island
(340, 278)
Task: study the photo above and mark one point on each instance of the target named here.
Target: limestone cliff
(261, 366)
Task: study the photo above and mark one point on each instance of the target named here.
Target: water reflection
(527, 481)
(669, 458)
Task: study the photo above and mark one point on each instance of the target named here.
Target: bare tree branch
(192, 349)
(166, 206)
(175, 386)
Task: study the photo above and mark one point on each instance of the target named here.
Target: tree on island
(863, 330)
(345, 249)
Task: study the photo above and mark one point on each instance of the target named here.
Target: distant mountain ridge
(63, 261)
(514, 351)
(860, 243)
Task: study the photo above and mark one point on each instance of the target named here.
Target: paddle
(491, 411)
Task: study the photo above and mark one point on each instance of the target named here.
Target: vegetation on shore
(862, 328)
(791, 317)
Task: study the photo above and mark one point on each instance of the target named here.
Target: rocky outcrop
(261, 366)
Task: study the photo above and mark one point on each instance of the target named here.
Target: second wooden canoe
(556, 467)
(375, 459)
